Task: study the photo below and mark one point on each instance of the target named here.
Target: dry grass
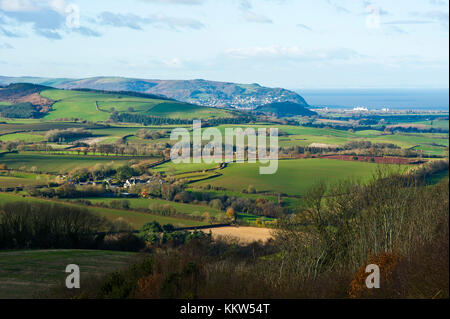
(243, 235)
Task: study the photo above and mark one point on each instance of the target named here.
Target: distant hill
(282, 109)
(201, 92)
(24, 100)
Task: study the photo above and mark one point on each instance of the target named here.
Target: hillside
(282, 109)
(33, 101)
(201, 92)
(23, 100)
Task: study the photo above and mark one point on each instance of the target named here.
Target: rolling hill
(37, 101)
(201, 92)
(23, 100)
(282, 109)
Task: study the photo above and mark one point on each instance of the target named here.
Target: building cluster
(241, 101)
(112, 183)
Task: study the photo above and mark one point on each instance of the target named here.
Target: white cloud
(304, 26)
(18, 5)
(173, 63)
(250, 16)
(48, 17)
(293, 52)
(6, 46)
(33, 5)
(137, 22)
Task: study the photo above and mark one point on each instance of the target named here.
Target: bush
(153, 227)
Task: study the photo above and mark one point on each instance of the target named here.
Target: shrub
(152, 227)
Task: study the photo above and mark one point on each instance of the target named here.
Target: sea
(393, 99)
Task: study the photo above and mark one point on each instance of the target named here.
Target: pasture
(144, 203)
(57, 164)
(20, 126)
(30, 273)
(26, 137)
(304, 136)
(97, 106)
(137, 219)
(294, 177)
(11, 181)
(172, 168)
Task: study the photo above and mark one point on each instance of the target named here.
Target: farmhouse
(133, 181)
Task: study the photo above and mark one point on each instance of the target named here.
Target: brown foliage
(387, 262)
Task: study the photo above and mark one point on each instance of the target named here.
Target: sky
(293, 44)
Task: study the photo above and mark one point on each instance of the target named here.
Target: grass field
(83, 105)
(35, 125)
(298, 135)
(187, 111)
(137, 219)
(72, 104)
(294, 177)
(180, 168)
(14, 179)
(8, 181)
(57, 163)
(305, 136)
(292, 202)
(443, 124)
(29, 273)
(22, 137)
(188, 209)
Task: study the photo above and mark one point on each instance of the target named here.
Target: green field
(35, 125)
(97, 106)
(171, 167)
(187, 111)
(57, 163)
(188, 209)
(22, 137)
(8, 181)
(72, 104)
(442, 124)
(294, 177)
(137, 219)
(30, 273)
(14, 179)
(304, 136)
